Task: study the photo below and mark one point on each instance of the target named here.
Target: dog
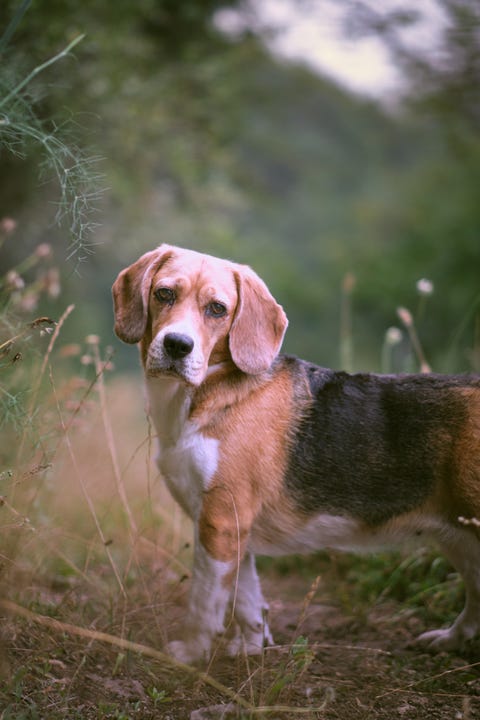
(269, 454)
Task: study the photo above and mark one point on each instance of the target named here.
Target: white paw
(249, 643)
(446, 639)
(189, 652)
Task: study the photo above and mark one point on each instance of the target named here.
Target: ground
(333, 661)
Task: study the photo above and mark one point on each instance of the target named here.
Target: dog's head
(191, 311)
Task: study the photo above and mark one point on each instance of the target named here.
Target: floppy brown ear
(258, 327)
(131, 291)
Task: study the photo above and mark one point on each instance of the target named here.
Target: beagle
(269, 454)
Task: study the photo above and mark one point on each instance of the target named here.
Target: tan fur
(241, 494)
(465, 499)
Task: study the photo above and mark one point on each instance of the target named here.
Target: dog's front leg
(250, 611)
(221, 538)
(207, 603)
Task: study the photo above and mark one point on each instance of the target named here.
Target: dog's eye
(165, 295)
(216, 309)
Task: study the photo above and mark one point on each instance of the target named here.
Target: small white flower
(14, 281)
(44, 250)
(92, 339)
(393, 336)
(7, 225)
(424, 287)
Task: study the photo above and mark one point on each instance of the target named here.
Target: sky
(310, 31)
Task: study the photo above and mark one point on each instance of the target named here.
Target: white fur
(339, 533)
(250, 611)
(186, 459)
(206, 608)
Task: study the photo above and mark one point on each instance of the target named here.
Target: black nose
(177, 346)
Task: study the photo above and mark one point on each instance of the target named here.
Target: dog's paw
(189, 652)
(249, 643)
(443, 640)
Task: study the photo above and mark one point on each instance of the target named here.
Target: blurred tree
(432, 225)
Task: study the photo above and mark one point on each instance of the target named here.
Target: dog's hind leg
(250, 611)
(463, 550)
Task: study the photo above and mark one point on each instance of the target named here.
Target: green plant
(158, 697)
(291, 669)
(24, 131)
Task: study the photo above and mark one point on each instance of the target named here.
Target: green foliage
(300, 656)
(24, 133)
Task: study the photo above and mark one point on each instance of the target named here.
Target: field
(95, 564)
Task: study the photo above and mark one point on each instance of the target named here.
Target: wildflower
(393, 336)
(14, 281)
(51, 281)
(46, 331)
(44, 250)
(7, 225)
(29, 302)
(424, 287)
(92, 340)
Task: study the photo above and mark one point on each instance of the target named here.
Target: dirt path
(330, 663)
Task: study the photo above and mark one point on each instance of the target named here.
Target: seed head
(424, 287)
(393, 336)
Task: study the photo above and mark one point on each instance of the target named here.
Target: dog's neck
(168, 404)
(173, 405)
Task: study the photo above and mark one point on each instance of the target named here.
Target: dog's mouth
(174, 371)
(166, 371)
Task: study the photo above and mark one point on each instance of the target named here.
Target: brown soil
(354, 664)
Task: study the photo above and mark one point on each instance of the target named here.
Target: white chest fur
(186, 459)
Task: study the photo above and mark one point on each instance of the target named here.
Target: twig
(38, 382)
(6, 346)
(406, 688)
(37, 70)
(52, 342)
(107, 425)
(407, 319)
(307, 601)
